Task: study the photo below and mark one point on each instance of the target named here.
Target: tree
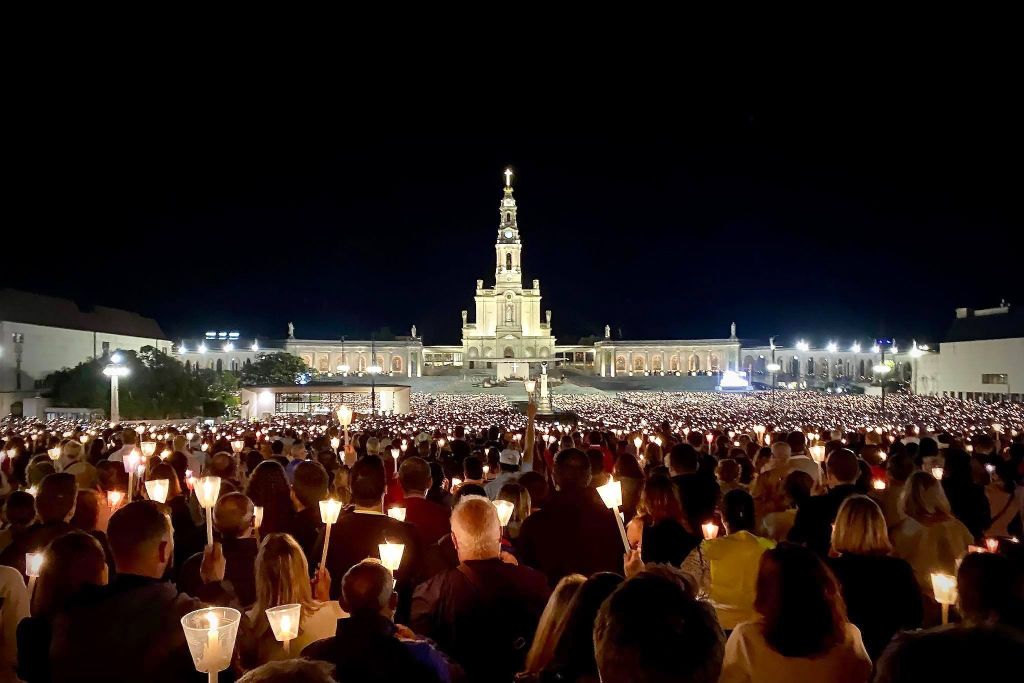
(273, 369)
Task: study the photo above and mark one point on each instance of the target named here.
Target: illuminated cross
(508, 177)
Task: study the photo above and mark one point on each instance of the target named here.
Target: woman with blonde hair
(658, 529)
(880, 591)
(520, 498)
(550, 627)
(930, 538)
(282, 578)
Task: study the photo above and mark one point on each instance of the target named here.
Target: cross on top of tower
(508, 177)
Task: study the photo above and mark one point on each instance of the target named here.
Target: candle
(54, 453)
(335, 442)
(487, 470)
(456, 483)
(207, 490)
(212, 641)
(284, 622)
(237, 445)
(114, 499)
(33, 563)
(944, 590)
(148, 448)
(817, 454)
(397, 513)
(329, 511)
(710, 530)
(258, 515)
(156, 489)
(937, 473)
(878, 484)
(992, 544)
(210, 633)
(505, 510)
(611, 494)
(391, 554)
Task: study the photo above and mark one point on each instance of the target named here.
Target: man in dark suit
(361, 528)
(815, 516)
(574, 532)
(430, 519)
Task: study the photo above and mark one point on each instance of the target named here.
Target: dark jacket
(307, 525)
(882, 597)
(128, 630)
(699, 494)
(573, 533)
(667, 542)
(34, 635)
(240, 570)
(431, 519)
(814, 518)
(36, 537)
(970, 505)
(483, 615)
(366, 649)
(189, 538)
(356, 536)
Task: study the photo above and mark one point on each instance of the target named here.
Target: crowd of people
(647, 537)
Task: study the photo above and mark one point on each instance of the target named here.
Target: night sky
(796, 219)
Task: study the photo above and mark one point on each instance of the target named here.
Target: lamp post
(915, 353)
(343, 367)
(115, 370)
(881, 370)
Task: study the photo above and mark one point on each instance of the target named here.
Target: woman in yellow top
(734, 560)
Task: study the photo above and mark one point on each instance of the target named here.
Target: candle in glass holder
(391, 554)
(611, 494)
(329, 511)
(284, 622)
(148, 448)
(456, 483)
(710, 530)
(210, 633)
(817, 453)
(114, 499)
(937, 473)
(397, 513)
(156, 489)
(237, 445)
(54, 453)
(944, 590)
(207, 491)
(505, 510)
(992, 544)
(335, 442)
(878, 484)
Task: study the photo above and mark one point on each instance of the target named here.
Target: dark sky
(842, 219)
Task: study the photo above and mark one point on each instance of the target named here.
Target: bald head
(476, 529)
(368, 587)
(232, 515)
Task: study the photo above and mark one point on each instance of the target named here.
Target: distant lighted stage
(734, 382)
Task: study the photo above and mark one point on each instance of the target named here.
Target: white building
(42, 334)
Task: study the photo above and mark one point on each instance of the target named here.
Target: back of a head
(986, 585)
(56, 498)
(232, 515)
(843, 466)
(922, 498)
(596, 458)
(781, 451)
(798, 598)
(797, 442)
(928, 447)
(574, 651)
(798, 485)
(473, 468)
(87, 510)
(660, 500)
(572, 469)
(291, 671)
(860, 528)
(367, 588)
(537, 486)
(282, 574)
(652, 629)
(900, 467)
(695, 439)
(135, 530)
(368, 481)
(476, 528)
(70, 561)
(180, 443)
(129, 437)
(683, 459)
(20, 508)
(414, 475)
(221, 465)
(738, 511)
(310, 483)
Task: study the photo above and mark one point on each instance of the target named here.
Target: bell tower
(508, 273)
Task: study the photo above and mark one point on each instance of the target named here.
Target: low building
(981, 356)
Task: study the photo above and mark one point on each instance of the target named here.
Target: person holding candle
(138, 611)
(930, 538)
(549, 628)
(129, 439)
(430, 519)
(802, 632)
(14, 611)
(362, 528)
(19, 512)
(368, 646)
(796, 487)
(70, 563)
(1006, 501)
(813, 522)
(967, 500)
(282, 578)
(657, 530)
(482, 612)
(55, 506)
(268, 487)
(699, 492)
(898, 468)
(575, 532)
(509, 464)
(233, 522)
(309, 487)
(880, 591)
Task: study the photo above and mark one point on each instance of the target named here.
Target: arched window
(638, 363)
(861, 368)
(509, 353)
(656, 363)
(220, 365)
(361, 363)
(694, 363)
(508, 261)
(508, 217)
(234, 365)
(673, 364)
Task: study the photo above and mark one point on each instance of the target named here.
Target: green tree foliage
(274, 369)
(157, 386)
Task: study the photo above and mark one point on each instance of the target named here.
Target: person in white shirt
(802, 633)
(508, 462)
(15, 607)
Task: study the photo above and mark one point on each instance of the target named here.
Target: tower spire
(508, 177)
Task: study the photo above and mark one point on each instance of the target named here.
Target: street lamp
(802, 346)
(831, 347)
(115, 370)
(773, 367)
(882, 370)
(915, 353)
(343, 367)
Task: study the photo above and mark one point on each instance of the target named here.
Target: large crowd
(649, 537)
